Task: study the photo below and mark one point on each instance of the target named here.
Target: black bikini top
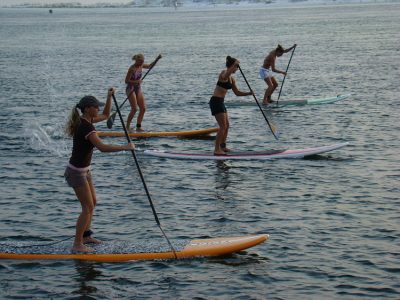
(225, 84)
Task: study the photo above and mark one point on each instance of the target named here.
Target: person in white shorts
(267, 70)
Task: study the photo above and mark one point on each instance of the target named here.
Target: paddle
(283, 81)
(111, 119)
(141, 176)
(271, 126)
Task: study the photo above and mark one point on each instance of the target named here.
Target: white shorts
(265, 73)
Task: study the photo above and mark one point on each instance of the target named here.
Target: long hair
(73, 122)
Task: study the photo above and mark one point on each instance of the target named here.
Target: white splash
(47, 138)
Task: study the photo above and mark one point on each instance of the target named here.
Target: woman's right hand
(111, 91)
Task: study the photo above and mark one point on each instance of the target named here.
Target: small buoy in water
(50, 11)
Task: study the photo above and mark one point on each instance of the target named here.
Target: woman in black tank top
(77, 173)
(217, 106)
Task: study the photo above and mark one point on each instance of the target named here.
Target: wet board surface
(115, 251)
(270, 154)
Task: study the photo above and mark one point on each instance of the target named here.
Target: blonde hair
(73, 122)
(139, 56)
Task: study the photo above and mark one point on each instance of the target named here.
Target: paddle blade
(274, 130)
(271, 124)
(110, 120)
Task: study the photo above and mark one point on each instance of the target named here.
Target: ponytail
(230, 61)
(73, 122)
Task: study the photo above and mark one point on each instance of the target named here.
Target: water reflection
(240, 258)
(86, 272)
(222, 178)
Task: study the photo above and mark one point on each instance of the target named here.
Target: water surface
(333, 220)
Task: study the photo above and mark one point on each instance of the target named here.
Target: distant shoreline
(197, 3)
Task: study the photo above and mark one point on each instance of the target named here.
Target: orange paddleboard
(125, 251)
(148, 134)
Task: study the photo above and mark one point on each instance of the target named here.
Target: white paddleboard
(271, 154)
(291, 102)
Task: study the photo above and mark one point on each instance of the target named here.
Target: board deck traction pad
(124, 250)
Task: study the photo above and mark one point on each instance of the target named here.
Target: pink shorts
(76, 178)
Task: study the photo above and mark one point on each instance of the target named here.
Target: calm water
(333, 220)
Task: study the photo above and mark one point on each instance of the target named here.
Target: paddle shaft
(111, 119)
(259, 106)
(141, 176)
(287, 68)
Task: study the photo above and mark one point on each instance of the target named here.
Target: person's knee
(88, 209)
(224, 128)
(133, 111)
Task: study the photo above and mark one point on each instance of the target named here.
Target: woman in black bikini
(77, 173)
(217, 106)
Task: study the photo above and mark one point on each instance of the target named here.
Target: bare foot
(267, 101)
(138, 129)
(91, 240)
(81, 249)
(226, 149)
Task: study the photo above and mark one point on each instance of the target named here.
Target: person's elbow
(103, 147)
(103, 116)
